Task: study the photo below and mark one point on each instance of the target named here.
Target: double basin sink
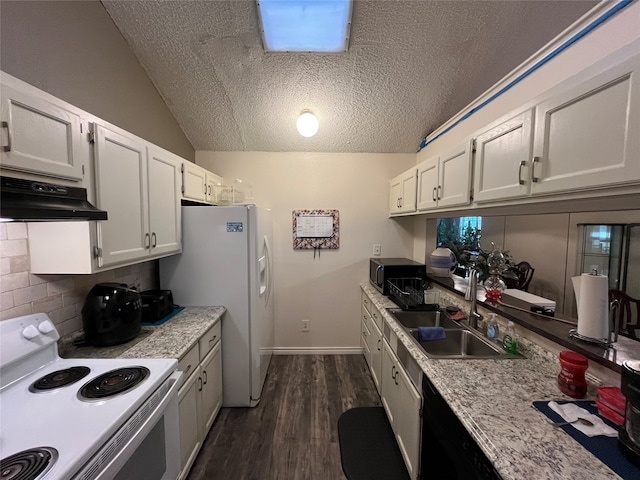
(460, 342)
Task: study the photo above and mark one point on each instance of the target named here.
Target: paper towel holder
(613, 329)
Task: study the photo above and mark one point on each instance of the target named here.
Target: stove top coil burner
(59, 379)
(29, 464)
(113, 382)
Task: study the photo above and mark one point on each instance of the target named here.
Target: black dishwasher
(448, 450)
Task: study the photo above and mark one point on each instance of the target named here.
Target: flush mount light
(307, 124)
(305, 25)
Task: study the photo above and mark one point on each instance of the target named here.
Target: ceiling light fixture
(305, 25)
(307, 124)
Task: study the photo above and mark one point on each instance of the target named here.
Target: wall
(73, 51)
(59, 296)
(324, 289)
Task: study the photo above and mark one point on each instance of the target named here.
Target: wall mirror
(559, 246)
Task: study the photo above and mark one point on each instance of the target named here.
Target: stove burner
(113, 382)
(59, 378)
(28, 464)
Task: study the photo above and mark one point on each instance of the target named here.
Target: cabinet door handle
(433, 194)
(439, 189)
(393, 372)
(534, 179)
(7, 147)
(378, 346)
(209, 190)
(205, 377)
(200, 380)
(147, 241)
(187, 370)
(211, 340)
(155, 240)
(522, 164)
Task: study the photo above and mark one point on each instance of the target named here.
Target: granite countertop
(172, 339)
(493, 398)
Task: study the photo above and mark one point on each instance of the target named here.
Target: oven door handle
(109, 467)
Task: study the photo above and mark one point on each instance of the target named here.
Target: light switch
(377, 249)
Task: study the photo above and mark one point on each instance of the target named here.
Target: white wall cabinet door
(428, 184)
(402, 193)
(121, 190)
(194, 182)
(164, 204)
(445, 181)
(454, 176)
(213, 182)
(502, 159)
(587, 136)
(40, 137)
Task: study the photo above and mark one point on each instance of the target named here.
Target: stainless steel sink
(460, 342)
(413, 319)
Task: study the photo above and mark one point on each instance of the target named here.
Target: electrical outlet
(305, 325)
(377, 249)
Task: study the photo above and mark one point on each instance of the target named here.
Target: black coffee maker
(629, 437)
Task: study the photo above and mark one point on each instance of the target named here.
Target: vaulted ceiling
(411, 65)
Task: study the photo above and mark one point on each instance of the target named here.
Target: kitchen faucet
(472, 294)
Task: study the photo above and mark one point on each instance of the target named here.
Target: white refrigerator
(226, 260)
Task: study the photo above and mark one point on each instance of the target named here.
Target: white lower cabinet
(200, 396)
(403, 404)
(375, 345)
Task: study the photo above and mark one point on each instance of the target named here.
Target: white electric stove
(86, 419)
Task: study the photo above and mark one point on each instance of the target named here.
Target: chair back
(524, 272)
(626, 313)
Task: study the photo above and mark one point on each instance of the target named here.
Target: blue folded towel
(426, 334)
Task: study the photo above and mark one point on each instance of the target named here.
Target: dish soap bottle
(493, 330)
(510, 341)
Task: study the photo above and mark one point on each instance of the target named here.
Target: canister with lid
(571, 379)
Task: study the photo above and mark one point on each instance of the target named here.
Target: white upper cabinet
(402, 192)
(138, 186)
(587, 136)
(503, 159)
(194, 182)
(121, 187)
(445, 181)
(164, 206)
(40, 137)
(200, 185)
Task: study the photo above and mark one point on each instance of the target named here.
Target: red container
(571, 379)
(609, 413)
(613, 398)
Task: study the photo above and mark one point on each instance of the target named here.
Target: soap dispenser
(493, 330)
(510, 341)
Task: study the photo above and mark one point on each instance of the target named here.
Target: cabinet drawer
(366, 302)
(189, 363)
(209, 339)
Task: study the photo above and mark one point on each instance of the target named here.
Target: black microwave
(382, 269)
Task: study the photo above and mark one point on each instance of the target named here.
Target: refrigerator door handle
(267, 248)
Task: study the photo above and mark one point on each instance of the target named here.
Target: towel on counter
(426, 334)
(570, 412)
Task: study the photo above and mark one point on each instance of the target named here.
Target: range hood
(34, 201)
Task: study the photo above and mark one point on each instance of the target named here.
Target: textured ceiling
(411, 65)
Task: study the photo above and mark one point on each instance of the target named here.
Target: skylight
(305, 25)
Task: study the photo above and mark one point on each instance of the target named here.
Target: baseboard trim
(317, 351)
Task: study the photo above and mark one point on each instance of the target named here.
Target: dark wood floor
(292, 433)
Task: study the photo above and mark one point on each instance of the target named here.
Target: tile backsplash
(59, 296)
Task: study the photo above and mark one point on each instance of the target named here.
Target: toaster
(156, 304)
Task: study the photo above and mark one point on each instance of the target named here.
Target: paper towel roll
(592, 299)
